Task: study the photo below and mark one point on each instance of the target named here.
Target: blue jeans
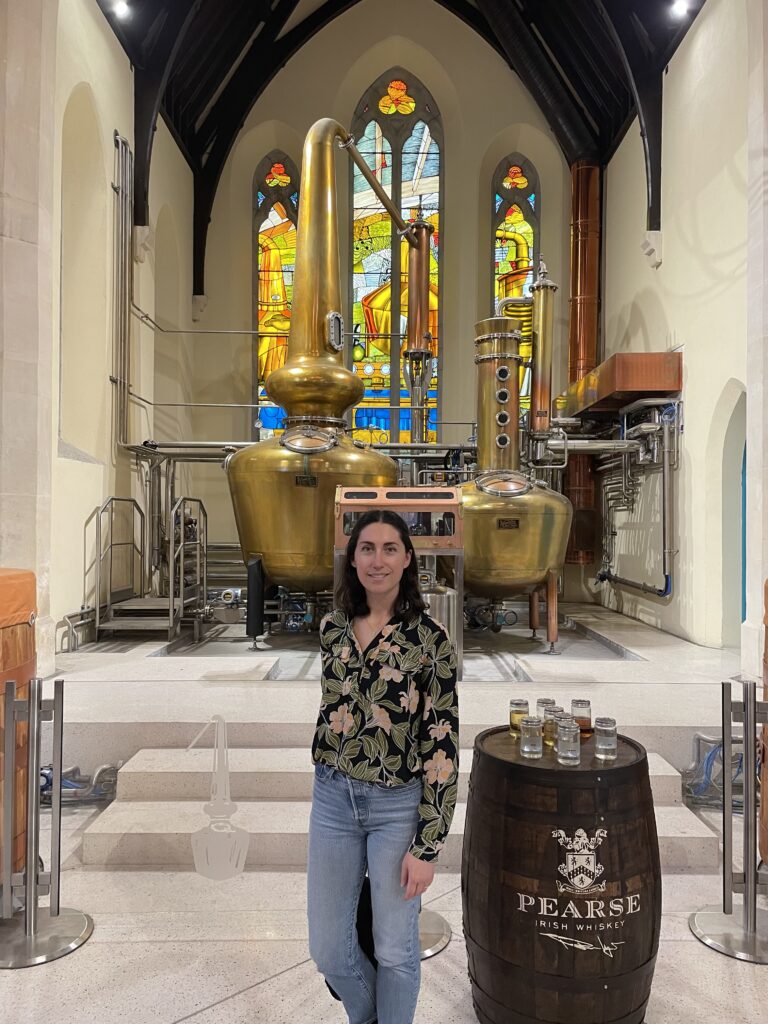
(355, 825)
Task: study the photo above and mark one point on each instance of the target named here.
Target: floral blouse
(390, 713)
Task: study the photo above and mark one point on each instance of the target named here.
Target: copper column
(582, 345)
(417, 355)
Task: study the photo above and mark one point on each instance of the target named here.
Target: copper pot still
(515, 529)
(283, 488)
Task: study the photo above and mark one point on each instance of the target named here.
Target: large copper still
(515, 530)
(283, 488)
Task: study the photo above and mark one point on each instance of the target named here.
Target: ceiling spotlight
(679, 8)
(121, 9)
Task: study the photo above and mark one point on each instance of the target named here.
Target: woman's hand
(416, 876)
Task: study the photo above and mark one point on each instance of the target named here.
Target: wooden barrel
(561, 885)
(764, 751)
(17, 662)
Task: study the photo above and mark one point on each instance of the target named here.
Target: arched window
(275, 212)
(516, 211)
(399, 132)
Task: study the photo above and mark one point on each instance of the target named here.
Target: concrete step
(158, 833)
(135, 624)
(284, 773)
(113, 721)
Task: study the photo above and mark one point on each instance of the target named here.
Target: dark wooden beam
(149, 85)
(542, 80)
(218, 132)
(646, 83)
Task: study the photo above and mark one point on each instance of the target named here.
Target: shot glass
(531, 737)
(518, 709)
(550, 724)
(582, 713)
(568, 747)
(606, 742)
(542, 704)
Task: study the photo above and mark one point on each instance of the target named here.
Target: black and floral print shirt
(390, 713)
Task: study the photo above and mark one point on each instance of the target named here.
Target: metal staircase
(124, 605)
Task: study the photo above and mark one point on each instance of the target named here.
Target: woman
(386, 770)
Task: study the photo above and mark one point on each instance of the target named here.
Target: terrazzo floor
(172, 947)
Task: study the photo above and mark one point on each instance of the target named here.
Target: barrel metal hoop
(555, 982)
(530, 980)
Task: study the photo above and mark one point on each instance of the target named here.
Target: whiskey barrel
(17, 662)
(561, 885)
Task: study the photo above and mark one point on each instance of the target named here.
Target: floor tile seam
(235, 995)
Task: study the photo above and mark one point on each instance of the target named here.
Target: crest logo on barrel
(581, 868)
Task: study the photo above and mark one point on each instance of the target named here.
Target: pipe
(585, 269)
(417, 368)
(593, 447)
(608, 576)
(543, 323)
(582, 344)
(346, 141)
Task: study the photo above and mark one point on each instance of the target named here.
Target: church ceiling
(591, 65)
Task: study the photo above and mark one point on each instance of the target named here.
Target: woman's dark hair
(350, 593)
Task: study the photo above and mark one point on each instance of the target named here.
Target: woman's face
(380, 559)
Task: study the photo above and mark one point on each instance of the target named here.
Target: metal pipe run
(574, 445)
(608, 576)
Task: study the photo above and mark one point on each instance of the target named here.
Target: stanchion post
(750, 810)
(33, 808)
(727, 801)
(58, 754)
(37, 935)
(6, 868)
(718, 928)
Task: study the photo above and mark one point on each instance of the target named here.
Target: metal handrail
(177, 554)
(109, 505)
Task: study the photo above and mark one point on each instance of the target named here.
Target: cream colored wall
(486, 115)
(695, 301)
(94, 96)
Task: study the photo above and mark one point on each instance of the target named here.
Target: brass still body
(515, 530)
(283, 488)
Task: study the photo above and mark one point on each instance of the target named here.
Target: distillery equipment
(515, 527)
(283, 488)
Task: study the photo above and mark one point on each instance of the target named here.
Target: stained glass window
(399, 134)
(274, 238)
(516, 209)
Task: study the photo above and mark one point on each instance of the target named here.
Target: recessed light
(679, 8)
(121, 9)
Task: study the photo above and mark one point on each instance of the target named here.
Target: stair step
(139, 833)
(283, 773)
(135, 624)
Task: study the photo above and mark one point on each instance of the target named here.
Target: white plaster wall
(695, 301)
(486, 112)
(92, 67)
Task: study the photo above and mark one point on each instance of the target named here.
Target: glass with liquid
(531, 737)
(582, 714)
(568, 744)
(550, 724)
(606, 740)
(518, 709)
(542, 704)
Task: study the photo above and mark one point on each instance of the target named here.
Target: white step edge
(139, 833)
(285, 773)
